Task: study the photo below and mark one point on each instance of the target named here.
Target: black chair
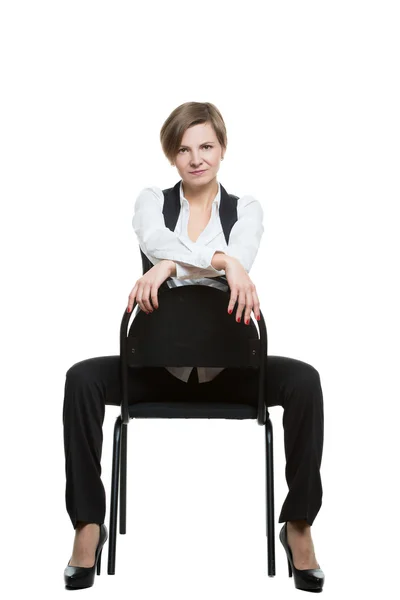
(191, 327)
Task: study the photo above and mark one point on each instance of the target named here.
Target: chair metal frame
(119, 458)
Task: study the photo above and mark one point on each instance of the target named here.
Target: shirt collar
(217, 198)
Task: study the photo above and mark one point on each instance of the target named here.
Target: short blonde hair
(183, 117)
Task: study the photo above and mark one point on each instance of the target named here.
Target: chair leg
(122, 501)
(114, 496)
(270, 497)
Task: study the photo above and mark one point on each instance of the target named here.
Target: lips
(197, 172)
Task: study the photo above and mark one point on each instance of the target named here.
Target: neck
(201, 197)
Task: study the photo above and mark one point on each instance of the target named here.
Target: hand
(148, 285)
(242, 289)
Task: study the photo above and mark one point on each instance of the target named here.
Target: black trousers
(95, 382)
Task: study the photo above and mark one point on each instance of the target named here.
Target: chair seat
(192, 410)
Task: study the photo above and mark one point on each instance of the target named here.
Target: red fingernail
(128, 309)
(258, 318)
(247, 321)
(230, 312)
(238, 320)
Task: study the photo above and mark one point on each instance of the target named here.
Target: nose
(195, 160)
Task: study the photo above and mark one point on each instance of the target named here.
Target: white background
(310, 95)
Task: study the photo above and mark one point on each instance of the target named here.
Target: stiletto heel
(310, 580)
(99, 563)
(83, 577)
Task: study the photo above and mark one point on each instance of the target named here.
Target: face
(199, 150)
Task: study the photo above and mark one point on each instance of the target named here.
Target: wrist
(219, 260)
(172, 268)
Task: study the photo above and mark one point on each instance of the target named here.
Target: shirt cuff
(185, 272)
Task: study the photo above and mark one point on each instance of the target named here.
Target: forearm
(172, 267)
(219, 262)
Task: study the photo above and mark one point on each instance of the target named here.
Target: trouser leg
(296, 386)
(88, 385)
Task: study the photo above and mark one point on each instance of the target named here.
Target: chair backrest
(192, 327)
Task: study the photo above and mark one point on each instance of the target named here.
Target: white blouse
(193, 259)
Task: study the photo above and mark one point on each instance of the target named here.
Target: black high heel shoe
(310, 580)
(83, 577)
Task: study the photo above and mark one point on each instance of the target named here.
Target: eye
(205, 146)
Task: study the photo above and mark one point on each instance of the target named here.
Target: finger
(241, 305)
(232, 301)
(256, 306)
(145, 298)
(139, 299)
(154, 296)
(249, 306)
(131, 298)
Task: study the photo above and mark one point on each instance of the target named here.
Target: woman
(194, 139)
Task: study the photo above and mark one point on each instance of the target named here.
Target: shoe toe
(78, 576)
(311, 578)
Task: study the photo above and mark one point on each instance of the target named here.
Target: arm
(244, 242)
(217, 267)
(246, 234)
(160, 243)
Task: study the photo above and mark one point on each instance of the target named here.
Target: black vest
(172, 207)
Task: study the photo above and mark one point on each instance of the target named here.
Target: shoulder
(149, 196)
(248, 205)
